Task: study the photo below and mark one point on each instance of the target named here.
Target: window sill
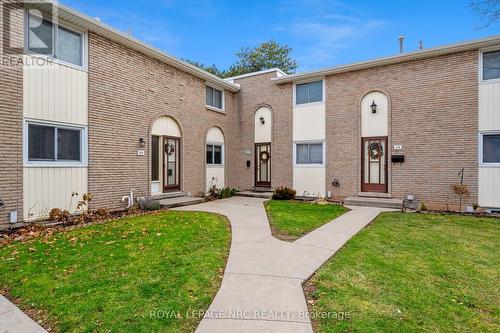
(489, 81)
(56, 61)
(309, 104)
(214, 165)
(211, 108)
(55, 165)
(489, 165)
(312, 166)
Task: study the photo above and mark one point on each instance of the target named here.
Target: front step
(250, 194)
(168, 195)
(374, 202)
(262, 189)
(180, 201)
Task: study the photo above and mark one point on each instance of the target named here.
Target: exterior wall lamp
(142, 143)
(262, 120)
(374, 107)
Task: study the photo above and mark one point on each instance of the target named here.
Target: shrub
(423, 207)
(227, 192)
(284, 193)
(149, 204)
(475, 206)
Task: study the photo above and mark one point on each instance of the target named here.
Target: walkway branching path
(262, 286)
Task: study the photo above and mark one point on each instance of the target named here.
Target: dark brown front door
(374, 165)
(263, 165)
(171, 164)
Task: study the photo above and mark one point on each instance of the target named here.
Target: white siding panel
(218, 174)
(374, 124)
(311, 180)
(489, 106)
(166, 126)
(263, 133)
(56, 93)
(309, 122)
(215, 135)
(47, 188)
(489, 187)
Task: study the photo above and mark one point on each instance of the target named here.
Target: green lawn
(123, 276)
(291, 220)
(413, 273)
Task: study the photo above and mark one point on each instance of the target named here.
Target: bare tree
(488, 10)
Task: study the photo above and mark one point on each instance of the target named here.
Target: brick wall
(11, 117)
(258, 91)
(433, 110)
(128, 91)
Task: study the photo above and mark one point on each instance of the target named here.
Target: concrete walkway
(13, 320)
(262, 286)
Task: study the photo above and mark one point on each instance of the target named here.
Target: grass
(413, 273)
(291, 220)
(131, 275)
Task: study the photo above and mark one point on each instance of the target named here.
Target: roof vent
(420, 45)
(401, 43)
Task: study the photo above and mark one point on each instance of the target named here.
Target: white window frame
(223, 96)
(322, 102)
(57, 164)
(481, 52)
(312, 165)
(213, 165)
(55, 34)
(480, 149)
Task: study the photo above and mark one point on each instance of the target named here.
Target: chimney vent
(401, 43)
(420, 45)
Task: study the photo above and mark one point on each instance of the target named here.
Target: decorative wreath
(376, 150)
(264, 156)
(170, 149)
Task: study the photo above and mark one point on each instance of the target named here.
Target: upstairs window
(214, 154)
(48, 143)
(52, 40)
(491, 65)
(309, 153)
(214, 98)
(491, 148)
(309, 92)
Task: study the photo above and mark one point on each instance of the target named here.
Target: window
(491, 65)
(214, 154)
(309, 153)
(47, 38)
(215, 98)
(48, 143)
(309, 92)
(155, 158)
(491, 148)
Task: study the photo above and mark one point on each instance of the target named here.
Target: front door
(171, 164)
(263, 164)
(374, 165)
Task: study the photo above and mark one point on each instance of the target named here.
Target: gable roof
(407, 56)
(86, 22)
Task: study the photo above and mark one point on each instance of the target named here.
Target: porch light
(262, 120)
(142, 143)
(374, 107)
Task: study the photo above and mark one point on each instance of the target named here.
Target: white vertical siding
(374, 124)
(263, 132)
(489, 106)
(215, 174)
(309, 181)
(166, 126)
(309, 122)
(489, 187)
(55, 93)
(47, 188)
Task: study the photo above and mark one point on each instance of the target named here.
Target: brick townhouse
(91, 109)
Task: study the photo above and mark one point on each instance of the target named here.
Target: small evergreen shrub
(149, 204)
(227, 192)
(284, 193)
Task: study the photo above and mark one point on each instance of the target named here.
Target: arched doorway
(165, 156)
(215, 155)
(263, 122)
(374, 145)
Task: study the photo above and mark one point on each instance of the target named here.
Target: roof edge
(265, 71)
(409, 56)
(98, 27)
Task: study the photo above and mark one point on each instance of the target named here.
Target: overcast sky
(322, 33)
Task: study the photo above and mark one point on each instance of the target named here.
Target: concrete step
(251, 194)
(168, 195)
(180, 201)
(374, 202)
(262, 189)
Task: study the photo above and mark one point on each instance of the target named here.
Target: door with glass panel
(171, 164)
(263, 164)
(374, 165)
